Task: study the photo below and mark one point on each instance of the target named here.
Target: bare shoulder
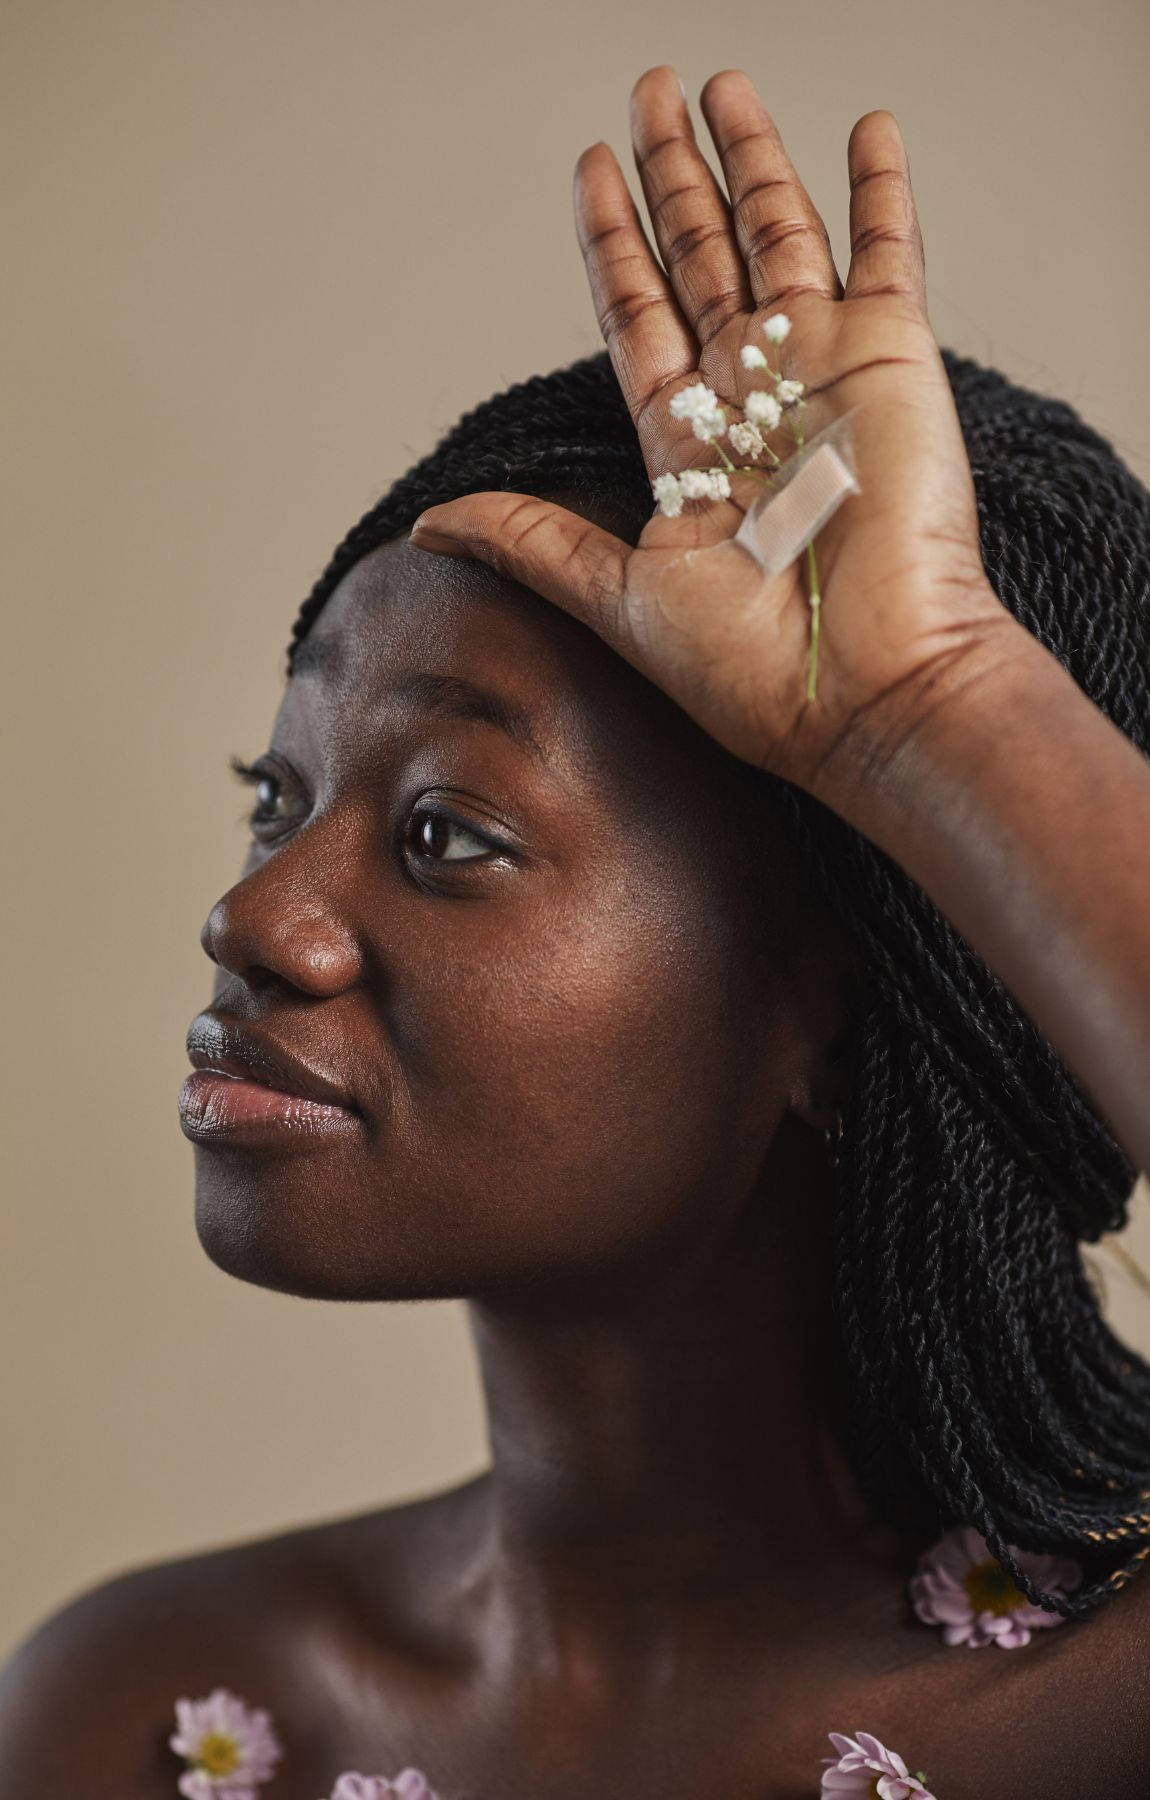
(1111, 1684)
(88, 1699)
(1069, 1714)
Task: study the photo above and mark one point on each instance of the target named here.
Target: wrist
(982, 700)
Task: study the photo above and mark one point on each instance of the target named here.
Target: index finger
(649, 341)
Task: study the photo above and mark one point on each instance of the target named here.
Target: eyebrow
(442, 696)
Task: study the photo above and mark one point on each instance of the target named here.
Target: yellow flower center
(991, 1589)
(218, 1754)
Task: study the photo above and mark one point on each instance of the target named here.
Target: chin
(287, 1237)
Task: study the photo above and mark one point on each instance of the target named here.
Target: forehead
(402, 614)
(401, 610)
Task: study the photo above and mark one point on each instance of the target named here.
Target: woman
(583, 967)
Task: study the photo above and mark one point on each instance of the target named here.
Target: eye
(279, 801)
(440, 838)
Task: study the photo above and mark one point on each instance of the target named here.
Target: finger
(689, 212)
(782, 237)
(886, 243)
(556, 553)
(650, 344)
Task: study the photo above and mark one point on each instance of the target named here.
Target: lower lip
(217, 1108)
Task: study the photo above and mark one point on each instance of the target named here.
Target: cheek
(583, 1087)
(574, 1088)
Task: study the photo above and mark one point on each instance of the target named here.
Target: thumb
(558, 554)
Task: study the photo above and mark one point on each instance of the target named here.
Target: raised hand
(907, 610)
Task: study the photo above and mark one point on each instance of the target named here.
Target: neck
(688, 1441)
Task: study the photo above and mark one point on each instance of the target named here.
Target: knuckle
(870, 235)
(651, 398)
(669, 141)
(603, 235)
(692, 238)
(773, 232)
(758, 134)
(621, 313)
(749, 195)
(862, 177)
(894, 290)
(715, 312)
(673, 194)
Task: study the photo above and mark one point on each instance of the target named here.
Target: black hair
(986, 1387)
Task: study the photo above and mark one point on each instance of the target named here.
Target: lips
(250, 1055)
(246, 1086)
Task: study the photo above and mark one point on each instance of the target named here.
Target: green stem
(816, 607)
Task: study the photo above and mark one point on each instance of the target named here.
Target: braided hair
(985, 1386)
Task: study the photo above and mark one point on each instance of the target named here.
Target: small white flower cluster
(700, 404)
(692, 484)
(763, 409)
(763, 412)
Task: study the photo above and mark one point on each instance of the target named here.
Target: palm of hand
(904, 593)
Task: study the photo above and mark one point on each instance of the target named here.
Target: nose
(280, 924)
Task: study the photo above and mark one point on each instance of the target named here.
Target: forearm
(1025, 815)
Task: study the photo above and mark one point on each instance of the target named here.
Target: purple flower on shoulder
(409, 1784)
(231, 1747)
(959, 1585)
(863, 1766)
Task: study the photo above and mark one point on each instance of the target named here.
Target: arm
(941, 729)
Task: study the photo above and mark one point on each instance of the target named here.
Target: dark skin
(667, 1582)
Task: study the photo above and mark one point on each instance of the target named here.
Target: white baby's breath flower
(787, 392)
(747, 440)
(752, 357)
(691, 402)
(669, 494)
(719, 484)
(700, 404)
(763, 409)
(776, 328)
(695, 484)
(709, 425)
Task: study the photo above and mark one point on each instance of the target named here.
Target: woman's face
(540, 933)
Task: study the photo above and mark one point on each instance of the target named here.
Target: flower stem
(816, 608)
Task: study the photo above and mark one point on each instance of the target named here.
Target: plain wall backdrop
(259, 254)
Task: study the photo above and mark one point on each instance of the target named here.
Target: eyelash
(253, 774)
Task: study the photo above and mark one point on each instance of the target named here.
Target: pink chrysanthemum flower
(408, 1785)
(863, 1766)
(959, 1585)
(231, 1747)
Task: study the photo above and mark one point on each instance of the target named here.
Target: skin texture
(667, 1583)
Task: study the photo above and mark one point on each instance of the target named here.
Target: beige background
(258, 255)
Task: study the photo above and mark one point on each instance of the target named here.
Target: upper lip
(250, 1054)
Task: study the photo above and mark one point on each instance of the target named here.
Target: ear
(825, 1003)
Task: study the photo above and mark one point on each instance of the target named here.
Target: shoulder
(90, 1697)
(1083, 1695)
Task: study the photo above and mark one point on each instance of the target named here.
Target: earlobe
(829, 1011)
(821, 1109)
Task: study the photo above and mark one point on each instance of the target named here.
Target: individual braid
(986, 1387)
